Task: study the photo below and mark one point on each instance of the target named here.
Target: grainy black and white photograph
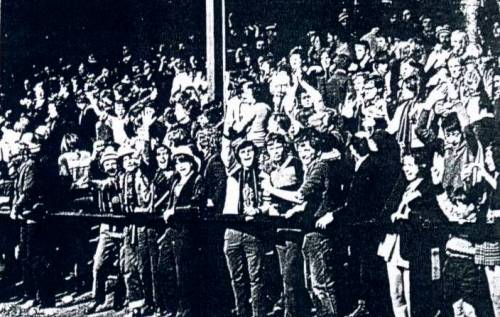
(250, 158)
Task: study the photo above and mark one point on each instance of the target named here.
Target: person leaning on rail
(107, 250)
(35, 243)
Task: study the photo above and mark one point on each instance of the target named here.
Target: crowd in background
(382, 148)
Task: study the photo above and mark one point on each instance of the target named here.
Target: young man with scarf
(244, 248)
(138, 246)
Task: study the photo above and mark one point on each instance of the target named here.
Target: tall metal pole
(216, 47)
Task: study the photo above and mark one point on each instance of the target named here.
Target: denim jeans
(319, 271)
(178, 273)
(138, 263)
(105, 255)
(245, 251)
(291, 268)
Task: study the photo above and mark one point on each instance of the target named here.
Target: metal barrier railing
(193, 215)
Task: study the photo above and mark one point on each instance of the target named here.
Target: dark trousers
(37, 267)
(178, 273)
(462, 279)
(244, 257)
(106, 255)
(368, 275)
(138, 262)
(291, 267)
(323, 271)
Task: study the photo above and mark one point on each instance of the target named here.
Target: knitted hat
(108, 155)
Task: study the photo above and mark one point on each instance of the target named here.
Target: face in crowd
(455, 68)
(444, 39)
(247, 92)
(458, 42)
(276, 151)
(360, 51)
(130, 163)
(326, 60)
(305, 100)
(410, 168)
(307, 154)
(358, 84)
(110, 167)
(296, 62)
(162, 157)
(370, 91)
(183, 165)
(120, 110)
(247, 156)
(453, 137)
(279, 84)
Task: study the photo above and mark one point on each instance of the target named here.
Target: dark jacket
(334, 90)
(27, 190)
(192, 194)
(214, 174)
(324, 189)
(417, 234)
(418, 238)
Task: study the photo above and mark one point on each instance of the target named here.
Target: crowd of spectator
(382, 148)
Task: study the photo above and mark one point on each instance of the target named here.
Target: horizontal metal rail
(208, 216)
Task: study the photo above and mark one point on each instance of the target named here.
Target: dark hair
(245, 144)
(381, 58)
(377, 80)
(282, 120)
(360, 145)
(309, 135)
(421, 158)
(451, 123)
(161, 146)
(185, 158)
(275, 138)
(363, 43)
(296, 50)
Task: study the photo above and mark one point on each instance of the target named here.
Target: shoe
(28, 304)
(95, 308)
(276, 311)
(360, 310)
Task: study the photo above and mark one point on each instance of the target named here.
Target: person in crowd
(317, 198)
(244, 249)
(36, 248)
(137, 251)
(179, 242)
(107, 250)
(351, 107)
(412, 251)
(365, 200)
(285, 172)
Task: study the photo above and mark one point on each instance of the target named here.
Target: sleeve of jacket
(216, 177)
(199, 198)
(28, 190)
